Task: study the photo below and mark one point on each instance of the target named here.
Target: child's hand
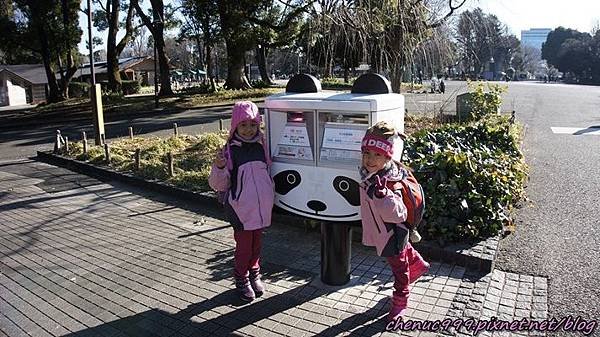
(380, 186)
(220, 161)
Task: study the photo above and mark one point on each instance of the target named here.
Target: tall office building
(534, 37)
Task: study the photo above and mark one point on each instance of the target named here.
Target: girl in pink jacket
(241, 172)
(383, 213)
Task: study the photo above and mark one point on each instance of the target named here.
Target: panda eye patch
(348, 189)
(286, 181)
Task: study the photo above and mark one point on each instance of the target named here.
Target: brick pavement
(86, 258)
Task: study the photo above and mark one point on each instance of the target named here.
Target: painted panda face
(317, 192)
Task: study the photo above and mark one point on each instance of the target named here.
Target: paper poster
(296, 135)
(340, 155)
(344, 139)
(295, 152)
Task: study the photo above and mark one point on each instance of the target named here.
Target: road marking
(594, 131)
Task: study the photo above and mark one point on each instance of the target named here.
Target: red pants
(247, 251)
(400, 265)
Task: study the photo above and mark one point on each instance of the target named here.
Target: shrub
(79, 89)
(130, 87)
(472, 176)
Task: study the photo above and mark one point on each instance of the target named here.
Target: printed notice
(340, 155)
(295, 152)
(295, 135)
(343, 139)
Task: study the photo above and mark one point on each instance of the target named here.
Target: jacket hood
(243, 111)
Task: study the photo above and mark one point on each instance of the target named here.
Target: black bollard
(336, 243)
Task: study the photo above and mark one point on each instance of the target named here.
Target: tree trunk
(261, 59)
(54, 92)
(163, 61)
(396, 77)
(210, 72)
(346, 70)
(156, 26)
(112, 58)
(235, 67)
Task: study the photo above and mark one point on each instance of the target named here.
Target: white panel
(16, 94)
(315, 188)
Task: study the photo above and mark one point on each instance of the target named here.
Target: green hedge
(472, 176)
(78, 89)
(130, 87)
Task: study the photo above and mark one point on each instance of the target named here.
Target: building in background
(534, 37)
(22, 84)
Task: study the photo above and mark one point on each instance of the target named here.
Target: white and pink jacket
(382, 217)
(246, 180)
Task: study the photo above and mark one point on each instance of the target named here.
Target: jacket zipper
(374, 219)
(241, 186)
(257, 197)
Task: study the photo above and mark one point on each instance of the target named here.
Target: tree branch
(449, 14)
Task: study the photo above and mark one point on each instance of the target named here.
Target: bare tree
(390, 31)
(156, 25)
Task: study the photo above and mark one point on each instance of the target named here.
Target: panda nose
(316, 206)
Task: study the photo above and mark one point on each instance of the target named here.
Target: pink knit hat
(243, 111)
(378, 144)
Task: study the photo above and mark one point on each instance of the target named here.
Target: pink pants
(247, 251)
(400, 265)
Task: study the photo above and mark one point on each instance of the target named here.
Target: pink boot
(398, 308)
(245, 290)
(417, 268)
(256, 283)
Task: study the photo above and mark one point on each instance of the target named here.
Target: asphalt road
(558, 229)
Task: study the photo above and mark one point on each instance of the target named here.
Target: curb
(480, 256)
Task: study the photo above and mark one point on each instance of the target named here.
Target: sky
(519, 15)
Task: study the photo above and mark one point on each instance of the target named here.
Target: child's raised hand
(380, 186)
(220, 160)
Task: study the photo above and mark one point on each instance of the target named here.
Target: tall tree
(51, 30)
(201, 24)
(276, 26)
(239, 36)
(393, 30)
(555, 39)
(109, 18)
(480, 37)
(156, 25)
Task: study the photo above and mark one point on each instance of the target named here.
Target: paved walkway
(80, 257)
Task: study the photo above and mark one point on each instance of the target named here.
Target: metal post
(336, 244)
(155, 78)
(155, 19)
(130, 132)
(92, 70)
(175, 130)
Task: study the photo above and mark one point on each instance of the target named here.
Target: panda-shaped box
(315, 137)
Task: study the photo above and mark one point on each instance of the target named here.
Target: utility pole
(95, 90)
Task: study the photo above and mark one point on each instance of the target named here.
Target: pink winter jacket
(249, 185)
(381, 214)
